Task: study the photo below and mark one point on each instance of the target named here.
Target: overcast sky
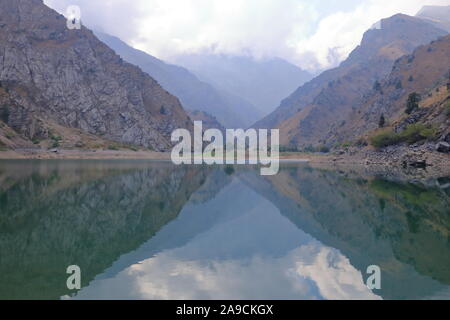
(313, 34)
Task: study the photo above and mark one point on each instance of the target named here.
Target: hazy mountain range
(195, 95)
(263, 82)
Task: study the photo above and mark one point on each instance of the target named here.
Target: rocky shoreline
(403, 161)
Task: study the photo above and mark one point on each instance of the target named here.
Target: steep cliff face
(425, 72)
(315, 109)
(50, 74)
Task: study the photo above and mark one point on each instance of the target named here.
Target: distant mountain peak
(436, 15)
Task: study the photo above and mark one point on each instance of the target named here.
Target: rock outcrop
(50, 74)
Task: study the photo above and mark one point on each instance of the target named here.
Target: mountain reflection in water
(151, 230)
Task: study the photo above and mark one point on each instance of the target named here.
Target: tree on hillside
(382, 121)
(413, 103)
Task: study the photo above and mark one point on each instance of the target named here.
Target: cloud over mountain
(306, 33)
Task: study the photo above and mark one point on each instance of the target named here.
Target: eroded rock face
(49, 72)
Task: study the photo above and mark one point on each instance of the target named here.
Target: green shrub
(113, 148)
(382, 121)
(384, 139)
(447, 109)
(412, 134)
(417, 132)
(346, 144)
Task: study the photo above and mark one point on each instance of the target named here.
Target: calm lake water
(149, 230)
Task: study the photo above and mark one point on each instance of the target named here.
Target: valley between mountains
(87, 94)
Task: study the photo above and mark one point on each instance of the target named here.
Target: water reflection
(142, 230)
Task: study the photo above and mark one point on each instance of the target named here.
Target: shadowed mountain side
(195, 95)
(55, 218)
(403, 229)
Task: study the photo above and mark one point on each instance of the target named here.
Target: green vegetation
(323, 149)
(382, 121)
(447, 109)
(408, 193)
(412, 134)
(288, 149)
(56, 141)
(346, 144)
(384, 139)
(113, 148)
(413, 103)
(162, 110)
(399, 85)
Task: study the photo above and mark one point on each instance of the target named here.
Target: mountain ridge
(53, 75)
(195, 94)
(307, 116)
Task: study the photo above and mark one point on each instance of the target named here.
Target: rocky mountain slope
(425, 72)
(51, 75)
(307, 116)
(195, 95)
(264, 83)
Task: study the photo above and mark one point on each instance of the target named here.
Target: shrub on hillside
(412, 134)
(384, 139)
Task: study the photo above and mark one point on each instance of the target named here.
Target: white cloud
(311, 271)
(313, 34)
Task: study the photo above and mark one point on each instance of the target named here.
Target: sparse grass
(412, 134)
(113, 148)
(346, 144)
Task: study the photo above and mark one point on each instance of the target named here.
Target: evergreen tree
(412, 103)
(382, 121)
